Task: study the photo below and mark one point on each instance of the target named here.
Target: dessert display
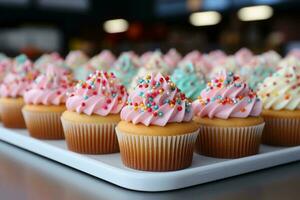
(156, 109)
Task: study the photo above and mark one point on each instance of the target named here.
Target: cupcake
(280, 95)
(228, 112)
(92, 113)
(157, 132)
(12, 90)
(125, 68)
(76, 59)
(189, 79)
(243, 56)
(45, 103)
(102, 61)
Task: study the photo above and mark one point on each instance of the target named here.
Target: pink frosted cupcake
(92, 114)
(228, 112)
(45, 102)
(157, 132)
(12, 90)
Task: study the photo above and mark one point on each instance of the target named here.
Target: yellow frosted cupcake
(157, 132)
(92, 114)
(229, 114)
(45, 102)
(280, 95)
(12, 90)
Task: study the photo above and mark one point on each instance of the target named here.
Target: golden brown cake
(11, 112)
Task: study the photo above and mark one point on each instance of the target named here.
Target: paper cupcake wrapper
(156, 153)
(90, 138)
(281, 132)
(229, 142)
(11, 115)
(44, 125)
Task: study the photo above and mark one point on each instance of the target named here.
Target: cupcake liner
(229, 142)
(44, 125)
(88, 138)
(156, 153)
(281, 131)
(11, 115)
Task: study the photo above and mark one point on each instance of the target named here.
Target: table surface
(26, 176)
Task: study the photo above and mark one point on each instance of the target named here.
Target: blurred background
(35, 27)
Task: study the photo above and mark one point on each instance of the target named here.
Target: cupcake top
(193, 56)
(19, 79)
(172, 57)
(156, 101)
(5, 66)
(76, 59)
(52, 58)
(228, 63)
(189, 79)
(102, 61)
(227, 96)
(145, 57)
(100, 94)
(125, 68)
(51, 87)
(256, 71)
(243, 56)
(271, 58)
(281, 91)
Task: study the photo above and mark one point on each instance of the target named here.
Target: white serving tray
(110, 168)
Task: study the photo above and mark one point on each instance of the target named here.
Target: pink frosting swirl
(50, 88)
(227, 96)
(100, 94)
(156, 101)
(19, 79)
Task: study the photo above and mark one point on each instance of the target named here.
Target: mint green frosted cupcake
(189, 79)
(125, 68)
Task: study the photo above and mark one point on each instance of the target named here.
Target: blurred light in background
(207, 18)
(115, 26)
(254, 13)
(14, 2)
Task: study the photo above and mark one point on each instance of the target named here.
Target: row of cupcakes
(155, 127)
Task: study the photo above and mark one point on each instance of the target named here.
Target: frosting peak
(51, 87)
(156, 101)
(100, 94)
(19, 79)
(281, 90)
(227, 96)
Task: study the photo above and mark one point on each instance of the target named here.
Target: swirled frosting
(76, 59)
(189, 79)
(281, 91)
(227, 96)
(5, 66)
(100, 94)
(156, 101)
(19, 79)
(102, 61)
(52, 58)
(243, 56)
(155, 64)
(192, 56)
(125, 68)
(51, 87)
(172, 57)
